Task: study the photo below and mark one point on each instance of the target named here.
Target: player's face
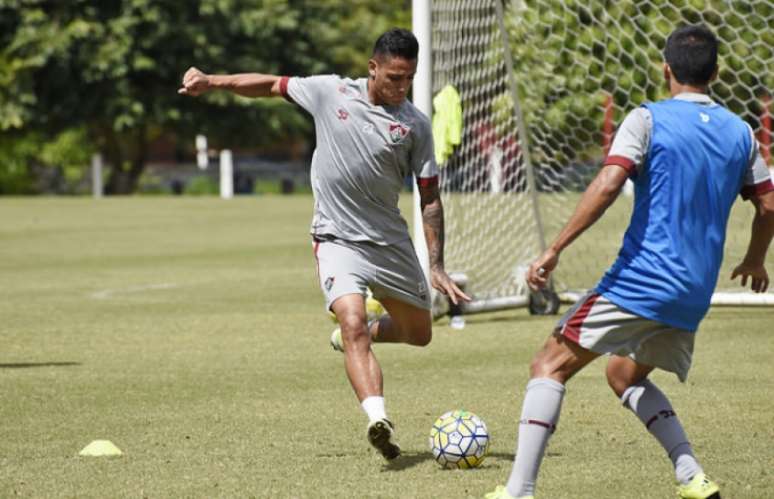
(391, 79)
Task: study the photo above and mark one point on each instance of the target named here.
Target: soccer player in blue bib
(688, 158)
(369, 138)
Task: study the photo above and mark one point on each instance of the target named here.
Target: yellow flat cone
(101, 448)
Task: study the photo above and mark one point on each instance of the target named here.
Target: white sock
(655, 412)
(539, 416)
(374, 407)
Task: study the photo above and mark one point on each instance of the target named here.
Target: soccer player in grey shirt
(369, 138)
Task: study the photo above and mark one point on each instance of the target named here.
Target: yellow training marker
(101, 448)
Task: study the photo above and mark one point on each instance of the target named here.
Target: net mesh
(579, 68)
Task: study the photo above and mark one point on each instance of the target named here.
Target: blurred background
(80, 78)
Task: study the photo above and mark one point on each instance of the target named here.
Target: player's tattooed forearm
(432, 218)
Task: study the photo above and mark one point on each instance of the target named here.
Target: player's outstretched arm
(752, 266)
(432, 219)
(600, 194)
(195, 83)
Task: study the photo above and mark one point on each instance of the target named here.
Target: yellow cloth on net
(447, 123)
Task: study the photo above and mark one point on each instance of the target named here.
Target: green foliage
(70, 151)
(23, 154)
(569, 55)
(113, 67)
(16, 152)
(201, 186)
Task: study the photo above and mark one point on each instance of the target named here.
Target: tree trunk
(124, 178)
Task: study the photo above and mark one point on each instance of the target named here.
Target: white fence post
(96, 175)
(226, 174)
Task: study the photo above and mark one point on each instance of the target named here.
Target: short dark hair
(397, 42)
(692, 54)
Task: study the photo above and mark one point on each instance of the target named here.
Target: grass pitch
(190, 332)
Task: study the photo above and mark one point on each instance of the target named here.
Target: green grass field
(190, 332)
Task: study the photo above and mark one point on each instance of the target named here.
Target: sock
(374, 408)
(539, 416)
(656, 413)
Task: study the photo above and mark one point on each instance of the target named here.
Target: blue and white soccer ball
(459, 440)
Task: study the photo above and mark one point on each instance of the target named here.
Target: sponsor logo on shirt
(342, 114)
(398, 132)
(368, 128)
(329, 283)
(704, 117)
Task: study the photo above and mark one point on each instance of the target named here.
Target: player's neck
(373, 97)
(676, 88)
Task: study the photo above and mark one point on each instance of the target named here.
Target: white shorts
(599, 325)
(346, 267)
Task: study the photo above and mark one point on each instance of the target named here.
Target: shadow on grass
(410, 459)
(25, 365)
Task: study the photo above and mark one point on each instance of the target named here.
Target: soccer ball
(374, 309)
(459, 440)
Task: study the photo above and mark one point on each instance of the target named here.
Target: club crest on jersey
(342, 114)
(398, 132)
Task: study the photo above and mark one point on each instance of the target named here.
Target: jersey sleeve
(423, 157)
(632, 141)
(307, 92)
(757, 179)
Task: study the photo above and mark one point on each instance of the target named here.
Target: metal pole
(422, 90)
(522, 126)
(96, 175)
(226, 174)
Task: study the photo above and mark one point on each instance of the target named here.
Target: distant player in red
(689, 159)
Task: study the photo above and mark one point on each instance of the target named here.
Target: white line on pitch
(107, 293)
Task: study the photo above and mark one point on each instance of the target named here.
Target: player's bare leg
(361, 365)
(551, 368)
(629, 380)
(405, 323)
(364, 372)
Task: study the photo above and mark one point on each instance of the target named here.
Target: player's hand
(540, 270)
(194, 83)
(441, 281)
(756, 273)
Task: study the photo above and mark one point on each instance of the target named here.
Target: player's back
(668, 266)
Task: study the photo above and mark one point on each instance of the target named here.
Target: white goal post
(542, 85)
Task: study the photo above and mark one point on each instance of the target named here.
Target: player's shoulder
(326, 80)
(639, 119)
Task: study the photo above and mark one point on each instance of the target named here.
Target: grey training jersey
(363, 154)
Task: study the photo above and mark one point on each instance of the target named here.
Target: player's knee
(616, 384)
(543, 366)
(353, 328)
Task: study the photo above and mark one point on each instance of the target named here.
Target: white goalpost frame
(422, 89)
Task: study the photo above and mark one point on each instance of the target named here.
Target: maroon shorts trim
(315, 249)
(758, 189)
(572, 328)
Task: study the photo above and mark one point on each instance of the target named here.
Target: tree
(112, 68)
(569, 55)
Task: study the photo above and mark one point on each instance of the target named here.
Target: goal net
(542, 85)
